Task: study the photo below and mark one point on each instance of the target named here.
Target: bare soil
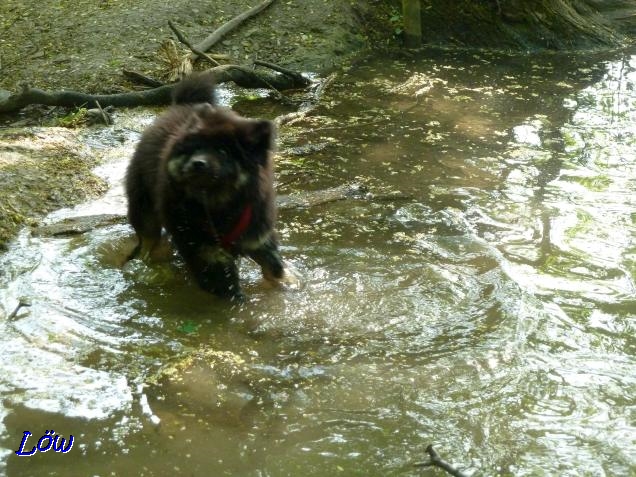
(85, 44)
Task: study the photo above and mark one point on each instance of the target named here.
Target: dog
(205, 175)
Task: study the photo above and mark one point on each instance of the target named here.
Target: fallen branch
(220, 32)
(199, 50)
(141, 79)
(21, 304)
(181, 37)
(28, 96)
(437, 461)
(280, 69)
(242, 76)
(308, 106)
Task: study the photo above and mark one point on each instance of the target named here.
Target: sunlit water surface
(489, 309)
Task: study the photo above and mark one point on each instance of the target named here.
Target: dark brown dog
(205, 175)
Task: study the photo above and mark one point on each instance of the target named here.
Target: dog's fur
(205, 174)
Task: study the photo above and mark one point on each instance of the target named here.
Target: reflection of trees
(611, 105)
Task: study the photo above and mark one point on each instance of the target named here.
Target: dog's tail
(193, 89)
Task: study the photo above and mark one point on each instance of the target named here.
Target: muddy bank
(42, 170)
(44, 45)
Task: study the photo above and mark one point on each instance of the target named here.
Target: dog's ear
(259, 136)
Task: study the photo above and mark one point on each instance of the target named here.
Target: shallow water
(490, 309)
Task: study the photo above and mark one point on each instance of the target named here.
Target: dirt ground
(85, 44)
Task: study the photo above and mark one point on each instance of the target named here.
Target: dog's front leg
(214, 269)
(268, 257)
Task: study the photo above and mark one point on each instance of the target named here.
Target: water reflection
(490, 309)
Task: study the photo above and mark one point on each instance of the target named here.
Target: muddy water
(490, 309)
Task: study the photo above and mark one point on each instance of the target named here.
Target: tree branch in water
(437, 461)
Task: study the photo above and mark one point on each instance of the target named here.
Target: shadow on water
(489, 310)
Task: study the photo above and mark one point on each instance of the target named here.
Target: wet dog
(205, 175)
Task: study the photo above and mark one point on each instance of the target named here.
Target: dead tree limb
(181, 37)
(28, 96)
(220, 32)
(141, 79)
(199, 50)
(280, 69)
(437, 461)
(21, 304)
(242, 76)
(308, 106)
(248, 78)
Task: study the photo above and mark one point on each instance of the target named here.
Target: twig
(437, 461)
(220, 32)
(192, 48)
(21, 304)
(107, 120)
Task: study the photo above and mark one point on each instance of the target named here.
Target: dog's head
(218, 151)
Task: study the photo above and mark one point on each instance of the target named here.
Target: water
(489, 309)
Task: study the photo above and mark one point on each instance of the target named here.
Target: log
(242, 76)
(28, 96)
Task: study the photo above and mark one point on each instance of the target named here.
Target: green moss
(40, 181)
(72, 120)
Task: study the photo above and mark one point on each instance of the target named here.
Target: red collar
(241, 226)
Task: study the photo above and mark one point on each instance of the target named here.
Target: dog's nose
(198, 164)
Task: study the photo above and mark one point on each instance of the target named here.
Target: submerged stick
(308, 107)
(437, 461)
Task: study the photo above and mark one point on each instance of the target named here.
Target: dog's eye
(222, 151)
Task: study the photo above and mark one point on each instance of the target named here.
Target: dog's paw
(291, 277)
